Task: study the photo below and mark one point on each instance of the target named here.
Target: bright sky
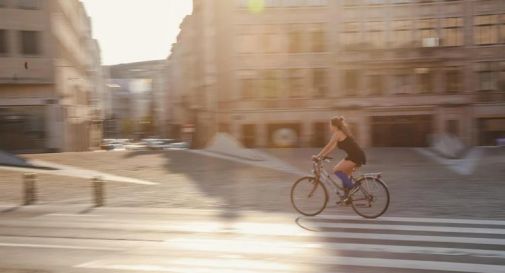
(136, 30)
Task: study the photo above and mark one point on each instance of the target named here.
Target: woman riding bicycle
(342, 138)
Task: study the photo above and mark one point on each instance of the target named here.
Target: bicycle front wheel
(370, 198)
(309, 196)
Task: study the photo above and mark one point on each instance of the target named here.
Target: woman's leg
(345, 166)
(343, 170)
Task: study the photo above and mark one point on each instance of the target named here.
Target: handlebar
(324, 158)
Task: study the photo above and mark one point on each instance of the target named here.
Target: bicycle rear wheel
(309, 196)
(371, 197)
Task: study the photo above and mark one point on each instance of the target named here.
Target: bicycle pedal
(344, 203)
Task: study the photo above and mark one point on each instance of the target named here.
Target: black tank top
(350, 146)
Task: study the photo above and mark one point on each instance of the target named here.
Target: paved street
(209, 214)
(420, 186)
(76, 239)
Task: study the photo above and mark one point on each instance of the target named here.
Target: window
(376, 85)
(501, 77)
(318, 41)
(453, 127)
(350, 3)
(489, 74)
(375, 34)
(3, 41)
(30, 43)
(427, 30)
(402, 33)
(350, 82)
(271, 84)
(350, 35)
(28, 4)
(425, 80)
(487, 81)
(296, 82)
(453, 81)
(319, 82)
(502, 28)
(248, 88)
(401, 84)
(485, 31)
(268, 42)
(295, 42)
(452, 31)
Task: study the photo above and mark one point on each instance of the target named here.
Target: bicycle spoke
(309, 196)
(371, 199)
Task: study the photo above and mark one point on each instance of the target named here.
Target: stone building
(141, 86)
(49, 77)
(272, 73)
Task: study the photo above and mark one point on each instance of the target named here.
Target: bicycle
(368, 192)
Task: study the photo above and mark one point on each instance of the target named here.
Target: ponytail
(340, 124)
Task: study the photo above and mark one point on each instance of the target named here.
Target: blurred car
(158, 144)
(136, 146)
(177, 146)
(118, 147)
(114, 144)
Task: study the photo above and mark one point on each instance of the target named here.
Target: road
(77, 239)
(215, 214)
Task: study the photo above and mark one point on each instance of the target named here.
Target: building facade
(140, 86)
(49, 77)
(272, 73)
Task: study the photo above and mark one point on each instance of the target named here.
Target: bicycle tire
(356, 203)
(317, 185)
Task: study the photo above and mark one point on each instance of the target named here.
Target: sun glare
(256, 6)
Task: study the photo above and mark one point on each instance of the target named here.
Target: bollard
(29, 188)
(99, 190)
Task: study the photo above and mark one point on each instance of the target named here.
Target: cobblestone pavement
(419, 186)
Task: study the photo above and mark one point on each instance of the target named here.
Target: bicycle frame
(324, 177)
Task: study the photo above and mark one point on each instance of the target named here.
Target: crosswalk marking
(262, 242)
(417, 220)
(290, 265)
(412, 228)
(419, 238)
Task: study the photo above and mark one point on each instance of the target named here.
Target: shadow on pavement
(139, 153)
(11, 209)
(298, 221)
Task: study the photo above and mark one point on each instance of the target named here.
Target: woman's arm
(329, 147)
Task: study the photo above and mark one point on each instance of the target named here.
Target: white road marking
(410, 228)
(58, 246)
(288, 265)
(71, 171)
(410, 219)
